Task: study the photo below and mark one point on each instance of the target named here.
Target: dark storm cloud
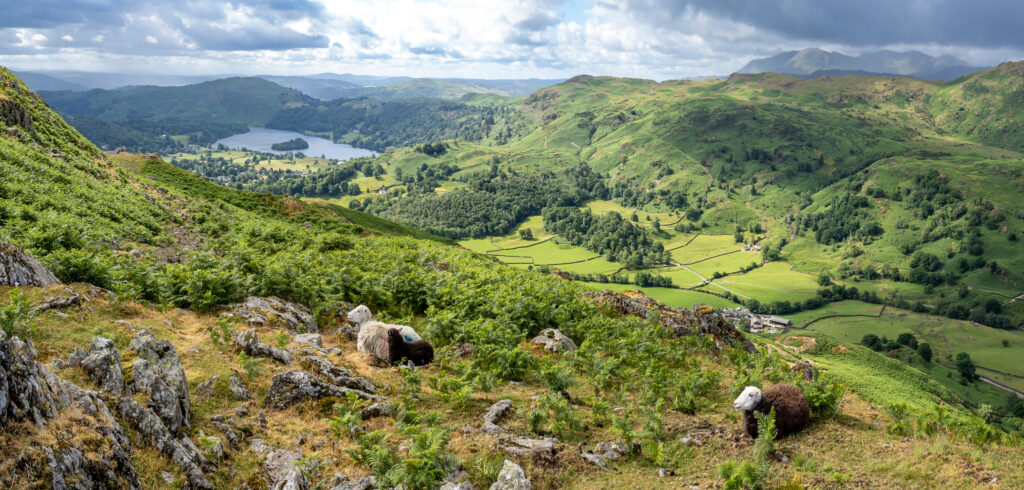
(977, 23)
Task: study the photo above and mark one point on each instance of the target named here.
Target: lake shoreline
(261, 139)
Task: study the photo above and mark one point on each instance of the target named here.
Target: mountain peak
(911, 63)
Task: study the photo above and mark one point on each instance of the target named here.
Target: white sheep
(372, 338)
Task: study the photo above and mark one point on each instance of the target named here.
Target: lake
(260, 139)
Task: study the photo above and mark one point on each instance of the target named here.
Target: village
(747, 321)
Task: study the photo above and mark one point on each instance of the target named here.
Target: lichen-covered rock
(293, 480)
(554, 340)
(279, 462)
(58, 302)
(511, 477)
(520, 446)
(102, 362)
(337, 375)
(496, 412)
(250, 343)
(28, 391)
(205, 389)
(700, 320)
(805, 368)
(158, 372)
(375, 410)
(313, 339)
(182, 452)
(18, 268)
(296, 386)
(366, 483)
(275, 312)
(238, 388)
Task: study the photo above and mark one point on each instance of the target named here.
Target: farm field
(305, 164)
(673, 297)
(774, 281)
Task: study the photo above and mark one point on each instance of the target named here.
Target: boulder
(158, 372)
(280, 462)
(604, 452)
(521, 446)
(205, 389)
(496, 412)
(805, 368)
(250, 343)
(259, 447)
(293, 480)
(182, 452)
(511, 477)
(700, 320)
(102, 362)
(58, 302)
(337, 375)
(18, 268)
(238, 388)
(295, 386)
(276, 313)
(380, 409)
(553, 340)
(367, 483)
(313, 339)
(29, 391)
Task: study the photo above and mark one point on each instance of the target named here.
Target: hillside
(251, 101)
(912, 63)
(169, 249)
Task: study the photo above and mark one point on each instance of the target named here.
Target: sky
(658, 39)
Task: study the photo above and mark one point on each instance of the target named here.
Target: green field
(672, 297)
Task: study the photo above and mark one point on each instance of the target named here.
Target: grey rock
(296, 386)
(233, 440)
(337, 375)
(182, 452)
(367, 483)
(313, 339)
(376, 410)
(554, 340)
(259, 447)
(611, 450)
(102, 362)
(58, 302)
(205, 389)
(279, 462)
(275, 312)
(167, 477)
(158, 372)
(213, 446)
(238, 388)
(464, 349)
(805, 368)
(18, 268)
(520, 446)
(593, 459)
(463, 485)
(495, 413)
(292, 480)
(242, 411)
(250, 343)
(511, 477)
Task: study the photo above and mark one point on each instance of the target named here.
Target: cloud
(515, 38)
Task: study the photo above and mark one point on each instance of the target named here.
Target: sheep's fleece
(372, 338)
(792, 412)
(361, 314)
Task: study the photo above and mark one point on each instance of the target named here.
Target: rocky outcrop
(604, 452)
(375, 410)
(98, 455)
(14, 114)
(58, 302)
(276, 313)
(182, 452)
(297, 386)
(102, 362)
(698, 320)
(250, 343)
(554, 341)
(336, 375)
(495, 413)
(312, 339)
(18, 268)
(521, 446)
(238, 388)
(280, 463)
(366, 483)
(511, 477)
(158, 372)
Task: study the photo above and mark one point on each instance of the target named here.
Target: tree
(965, 365)
(908, 340)
(872, 342)
(925, 351)
(824, 279)
(526, 234)
(738, 237)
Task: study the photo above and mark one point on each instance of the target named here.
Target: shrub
(16, 319)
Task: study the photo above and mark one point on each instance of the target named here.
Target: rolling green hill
(169, 249)
(241, 100)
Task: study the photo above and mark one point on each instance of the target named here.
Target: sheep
(792, 413)
(372, 337)
(419, 352)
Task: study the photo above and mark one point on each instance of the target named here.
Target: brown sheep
(792, 413)
(418, 351)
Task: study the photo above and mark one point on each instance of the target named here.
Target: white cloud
(150, 39)
(68, 38)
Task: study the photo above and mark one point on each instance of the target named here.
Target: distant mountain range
(323, 86)
(812, 62)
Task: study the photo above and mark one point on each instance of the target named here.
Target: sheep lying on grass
(372, 338)
(792, 413)
(419, 352)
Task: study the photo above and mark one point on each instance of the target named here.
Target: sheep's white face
(749, 399)
(360, 315)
